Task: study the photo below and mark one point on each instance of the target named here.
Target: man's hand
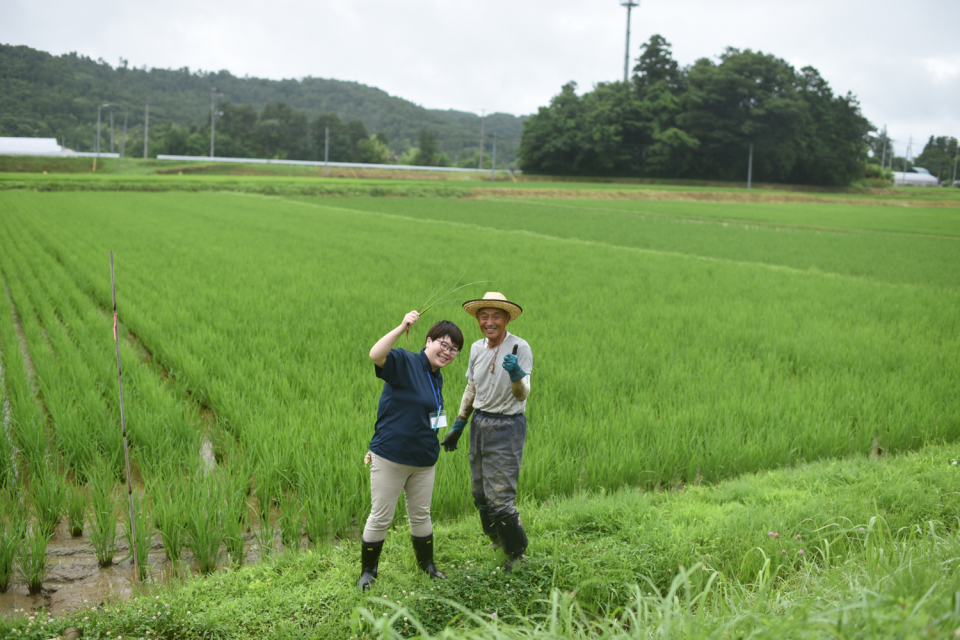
(450, 442)
(512, 367)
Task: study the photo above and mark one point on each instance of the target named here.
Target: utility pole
(146, 130)
(629, 4)
(213, 111)
(750, 168)
(111, 128)
(326, 153)
(480, 164)
(953, 180)
(493, 166)
(123, 136)
(883, 160)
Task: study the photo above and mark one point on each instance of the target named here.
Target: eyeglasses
(449, 348)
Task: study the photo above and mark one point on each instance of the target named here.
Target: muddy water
(75, 580)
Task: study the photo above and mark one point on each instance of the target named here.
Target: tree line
(698, 122)
(42, 95)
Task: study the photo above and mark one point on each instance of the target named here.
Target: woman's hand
(381, 350)
(410, 319)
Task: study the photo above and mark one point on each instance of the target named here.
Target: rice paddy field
(676, 343)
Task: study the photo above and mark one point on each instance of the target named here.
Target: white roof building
(42, 147)
(29, 146)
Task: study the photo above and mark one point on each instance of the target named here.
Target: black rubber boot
(423, 548)
(490, 530)
(514, 540)
(369, 560)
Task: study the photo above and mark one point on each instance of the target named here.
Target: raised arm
(381, 350)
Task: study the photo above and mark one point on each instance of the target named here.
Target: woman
(404, 448)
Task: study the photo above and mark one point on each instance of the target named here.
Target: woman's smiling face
(440, 352)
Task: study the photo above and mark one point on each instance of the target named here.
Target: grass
(32, 558)
(698, 563)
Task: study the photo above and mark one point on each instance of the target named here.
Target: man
(498, 383)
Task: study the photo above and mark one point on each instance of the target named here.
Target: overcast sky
(901, 59)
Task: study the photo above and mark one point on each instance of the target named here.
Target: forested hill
(57, 96)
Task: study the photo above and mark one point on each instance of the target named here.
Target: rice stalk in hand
(49, 498)
(143, 528)
(442, 297)
(290, 522)
(103, 513)
(32, 559)
(76, 510)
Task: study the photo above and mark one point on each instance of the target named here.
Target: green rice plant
(49, 498)
(103, 512)
(290, 522)
(32, 558)
(236, 514)
(314, 510)
(76, 509)
(204, 531)
(168, 505)
(143, 527)
(14, 516)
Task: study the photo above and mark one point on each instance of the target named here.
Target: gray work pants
(496, 451)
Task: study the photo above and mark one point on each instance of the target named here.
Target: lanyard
(436, 394)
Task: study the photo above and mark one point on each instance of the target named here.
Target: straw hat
(494, 300)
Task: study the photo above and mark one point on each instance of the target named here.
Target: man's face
(493, 324)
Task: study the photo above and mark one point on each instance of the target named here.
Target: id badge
(438, 420)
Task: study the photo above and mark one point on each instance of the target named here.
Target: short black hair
(447, 328)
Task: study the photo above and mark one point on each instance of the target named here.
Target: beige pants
(387, 480)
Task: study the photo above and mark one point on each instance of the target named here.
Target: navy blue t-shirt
(410, 391)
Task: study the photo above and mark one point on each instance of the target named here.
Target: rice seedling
(32, 558)
(143, 528)
(204, 531)
(13, 525)
(168, 504)
(290, 522)
(103, 513)
(49, 498)
(76, 510)
(236, 514)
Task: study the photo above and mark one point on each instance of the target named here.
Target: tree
(938, 157)
(429, 152)
(656, 64)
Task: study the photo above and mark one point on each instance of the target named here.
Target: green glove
(513, 367)
(450, 442)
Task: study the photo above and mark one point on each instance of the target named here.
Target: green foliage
(139, 535)
(698, 122)
(76, 509)
(938, 157)
(49, 498)
(57, 96)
